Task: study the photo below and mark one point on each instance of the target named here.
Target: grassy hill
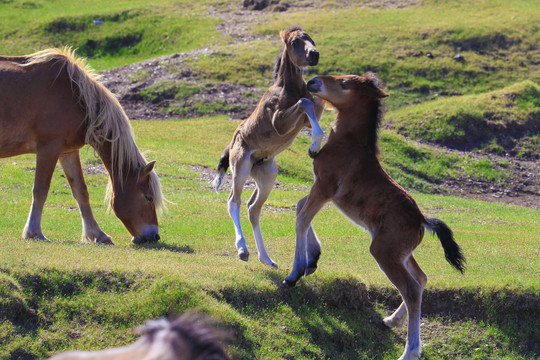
(67, 295)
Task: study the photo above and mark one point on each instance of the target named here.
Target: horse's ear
(147, 169)
(284, 34)
(380, 93)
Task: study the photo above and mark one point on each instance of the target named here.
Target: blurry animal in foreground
(189, 337)
(348, 173)
(284, 109)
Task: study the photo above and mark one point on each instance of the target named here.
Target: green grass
(498, 40)
(131, 31)
(68, 295)
(506, 120)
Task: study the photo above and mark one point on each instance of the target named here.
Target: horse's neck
(353, 125)
(289, 75)
(116, 172)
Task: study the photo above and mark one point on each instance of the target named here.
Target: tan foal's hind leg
(264, 175)
(391, 261)
(240, 168)
(91, 232)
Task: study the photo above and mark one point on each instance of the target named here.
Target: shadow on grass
(341, 318)
(186, 249)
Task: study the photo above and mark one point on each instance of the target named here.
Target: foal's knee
(300, 205)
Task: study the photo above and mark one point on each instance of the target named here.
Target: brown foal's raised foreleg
(307, 245)
(91, 232)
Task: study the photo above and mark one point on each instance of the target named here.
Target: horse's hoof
(243, 255)
(310, 270)
(288, 283)
(106, 241)
(38, 237)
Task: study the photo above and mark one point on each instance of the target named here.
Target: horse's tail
(452, 251)
(221, 169)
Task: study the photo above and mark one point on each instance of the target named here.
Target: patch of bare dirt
(521, 187)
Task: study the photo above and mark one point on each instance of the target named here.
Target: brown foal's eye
(148, 198)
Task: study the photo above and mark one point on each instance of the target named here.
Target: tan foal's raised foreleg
(403, 271)
(284, 121)
(91, 232)
(308, 247)
(264, 175)
(46, 159)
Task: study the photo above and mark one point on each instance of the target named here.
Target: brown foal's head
(348, 90)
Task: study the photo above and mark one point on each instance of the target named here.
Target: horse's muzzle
(313, 58)
(150, 235)
(314, 85)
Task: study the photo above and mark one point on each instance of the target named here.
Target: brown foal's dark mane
(376, 112)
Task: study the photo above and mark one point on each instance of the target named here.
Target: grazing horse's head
(135, 203)
(300, 47)
(344, 91)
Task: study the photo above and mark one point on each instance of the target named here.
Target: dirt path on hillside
(128, 82)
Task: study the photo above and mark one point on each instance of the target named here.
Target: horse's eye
(295, 42)
(148, 198)
(344, 85)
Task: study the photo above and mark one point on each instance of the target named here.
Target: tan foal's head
(348, 90)
(300, 47)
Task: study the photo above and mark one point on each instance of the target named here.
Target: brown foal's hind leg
(264, 174)
(46, 159)
(240, 167)
(391, 261)
(91, 232)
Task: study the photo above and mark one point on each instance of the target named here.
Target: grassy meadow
(62, 295)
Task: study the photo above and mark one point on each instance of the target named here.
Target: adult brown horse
(347, 172)
(52, 104)
(284, 109)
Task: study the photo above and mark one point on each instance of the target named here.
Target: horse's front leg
(71, 164)
(317, 132)
(307, 245)
(46, 159)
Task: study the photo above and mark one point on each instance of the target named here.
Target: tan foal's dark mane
(277, 62)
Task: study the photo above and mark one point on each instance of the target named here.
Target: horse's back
(37, 105)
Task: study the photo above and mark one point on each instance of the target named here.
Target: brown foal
(285, 108)
(347, 172)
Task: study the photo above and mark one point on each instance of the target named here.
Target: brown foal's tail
(452, 251)
(221, 169)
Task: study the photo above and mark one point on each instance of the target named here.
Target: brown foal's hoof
(244, 256)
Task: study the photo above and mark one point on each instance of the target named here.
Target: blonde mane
(105, 119)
